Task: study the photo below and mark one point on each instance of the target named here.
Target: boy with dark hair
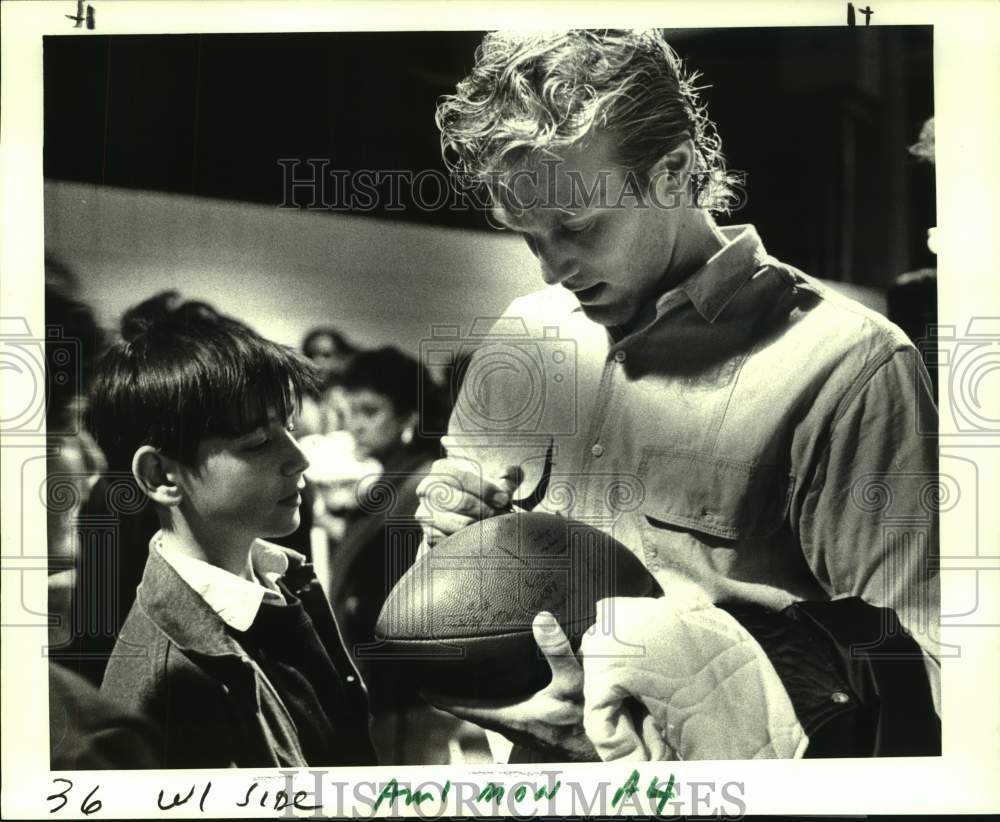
(230, 645)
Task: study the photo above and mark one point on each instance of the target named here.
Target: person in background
(87, 731)
(330, 352)
(321, 435)
(394, 409)
(912, 297)
(382, 391)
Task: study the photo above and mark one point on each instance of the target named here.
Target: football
(458, 623)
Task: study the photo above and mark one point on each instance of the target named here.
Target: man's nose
(558, 264)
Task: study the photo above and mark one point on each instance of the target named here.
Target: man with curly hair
(753, 437)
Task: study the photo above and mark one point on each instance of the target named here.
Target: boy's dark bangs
(211, 378)
(261, 380)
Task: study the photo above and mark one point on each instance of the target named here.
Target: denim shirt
(762, 436)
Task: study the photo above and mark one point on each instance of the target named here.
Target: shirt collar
(713, 285)
(235, 600)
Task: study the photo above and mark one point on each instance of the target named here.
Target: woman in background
(382, 392)
(395, 415)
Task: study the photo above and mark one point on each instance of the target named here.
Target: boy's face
(248, 486)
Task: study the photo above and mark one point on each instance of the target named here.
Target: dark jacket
(175, 662)
(855, 677)
(89, 732)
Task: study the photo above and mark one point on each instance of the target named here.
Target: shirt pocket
(713, 495)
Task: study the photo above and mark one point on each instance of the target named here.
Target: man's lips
(590, 293)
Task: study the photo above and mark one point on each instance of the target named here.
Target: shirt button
(620, 356)
(839, 697)
(597, 449)
(350, 678)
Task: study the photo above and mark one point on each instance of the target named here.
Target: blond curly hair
(531, 95)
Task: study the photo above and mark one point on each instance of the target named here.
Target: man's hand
(550, 720)
(455, 494)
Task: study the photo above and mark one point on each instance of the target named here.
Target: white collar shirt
(234, 599)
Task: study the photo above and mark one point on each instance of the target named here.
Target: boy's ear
(157, 476)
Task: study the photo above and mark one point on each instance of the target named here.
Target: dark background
(819, 118)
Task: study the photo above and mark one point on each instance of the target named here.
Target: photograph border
(967, 112)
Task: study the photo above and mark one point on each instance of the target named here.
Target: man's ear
(671, 175)
(157, 476)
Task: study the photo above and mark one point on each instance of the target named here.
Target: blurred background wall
(283, 271)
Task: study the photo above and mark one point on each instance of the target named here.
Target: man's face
(248, 486)
(613, 253)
